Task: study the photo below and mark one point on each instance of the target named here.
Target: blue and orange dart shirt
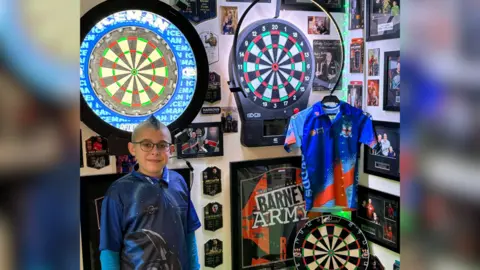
(329, 140)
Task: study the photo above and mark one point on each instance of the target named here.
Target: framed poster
(200, 11)
(328, 58)
(357, 7)
(204, 140)
(268, 209)
(384, 159)
(329, 5)
(383, 19)
(391, 81)
(92, 191)
(378, 216)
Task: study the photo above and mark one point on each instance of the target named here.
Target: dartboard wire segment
(331, 242)
(274, 63)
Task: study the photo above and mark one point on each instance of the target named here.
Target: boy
(147, 219)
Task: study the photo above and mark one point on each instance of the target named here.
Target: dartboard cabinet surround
(273, 65)
(137, 59)
(330, 242)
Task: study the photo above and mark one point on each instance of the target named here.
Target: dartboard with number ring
(331, 242)
(137, 59)
(274, 63)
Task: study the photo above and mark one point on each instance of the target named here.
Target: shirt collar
(319, 111)
(153, 180)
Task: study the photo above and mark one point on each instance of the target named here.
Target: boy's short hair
(154, 123)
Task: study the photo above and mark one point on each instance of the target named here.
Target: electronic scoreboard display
(137, 59)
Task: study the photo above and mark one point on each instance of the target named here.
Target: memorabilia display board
(331, 242)
(204, 140)
(92, 191)
(267, 209)
(213, 216)
(378, 216)
(384, 159)
(137, 59)
(212, 181)
(382, 19)
(391, 81)
(213, 253)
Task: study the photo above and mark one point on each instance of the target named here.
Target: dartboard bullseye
(274, 63)
(330, 243)
(137, 59)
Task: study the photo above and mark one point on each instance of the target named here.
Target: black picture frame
(389, 74)
(308, 6)
(373, 225)
(372, 22)
(375, 162)
(92, 190)
(254, 171)
(204, 146)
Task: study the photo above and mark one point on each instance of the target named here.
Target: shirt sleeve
(293, 139)
(111, 223)
(367, 134)
(193, 222)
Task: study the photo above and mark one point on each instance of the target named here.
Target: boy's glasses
(148, 146)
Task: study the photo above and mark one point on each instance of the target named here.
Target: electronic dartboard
(137, 59)
(331, 242)
(273, 66)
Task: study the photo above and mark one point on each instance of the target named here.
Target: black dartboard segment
(274, 63)
(331, 242)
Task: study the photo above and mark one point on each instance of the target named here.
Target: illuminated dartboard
(330, 243)
(274, 63)
(137, 59)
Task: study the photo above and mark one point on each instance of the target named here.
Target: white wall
(233, 151)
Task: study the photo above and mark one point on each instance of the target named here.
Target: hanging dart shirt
(146, 221)
(329, 138)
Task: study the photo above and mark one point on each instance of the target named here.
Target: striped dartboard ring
(133, 71)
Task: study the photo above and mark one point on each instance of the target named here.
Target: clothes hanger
(330, 98)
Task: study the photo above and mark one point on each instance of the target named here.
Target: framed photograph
(92, 191)
(373, 93)
(373, 62)
(204, 140)
(357, 7)
(391, 81)
(268, 209)
(378, 216)
(384, 159)
(383, 19)
(229, 21)
(329, 5)
(318, 25)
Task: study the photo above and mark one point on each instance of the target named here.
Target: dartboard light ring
(331, 242)
(273, 63)
(139, 58)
